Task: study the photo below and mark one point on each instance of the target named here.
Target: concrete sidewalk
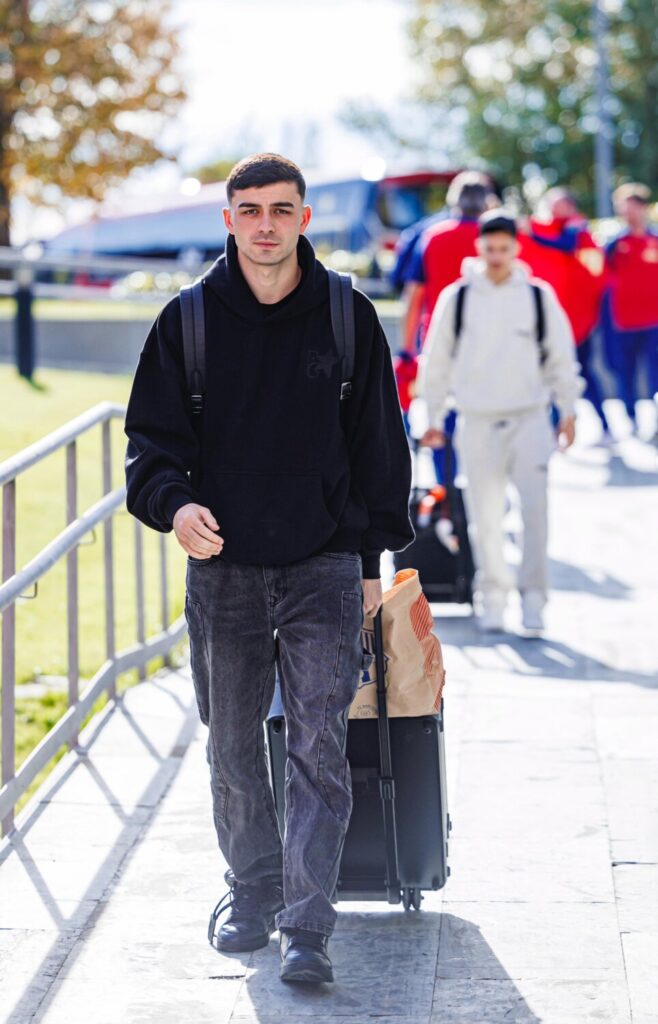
(551, 913)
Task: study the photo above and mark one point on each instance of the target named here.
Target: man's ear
(306, 216)
(227, 219)
(479, 245)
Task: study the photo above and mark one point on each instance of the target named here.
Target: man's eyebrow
(281, 203)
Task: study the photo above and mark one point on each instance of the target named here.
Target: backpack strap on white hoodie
(540, 319)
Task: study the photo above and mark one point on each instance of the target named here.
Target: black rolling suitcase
(397, 840)
(444, 558)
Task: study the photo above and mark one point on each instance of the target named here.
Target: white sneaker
(491, 617)
(491, 622)
(532, 605)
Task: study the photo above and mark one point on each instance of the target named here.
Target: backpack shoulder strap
(194, 342)
(540, 322)
(341, 304)
(459, 315)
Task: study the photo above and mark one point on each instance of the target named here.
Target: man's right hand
(194, 526)
(433, 438)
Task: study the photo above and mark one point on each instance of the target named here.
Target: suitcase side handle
(386, 780)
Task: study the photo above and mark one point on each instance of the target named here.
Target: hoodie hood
(227, 281)
(474, 271)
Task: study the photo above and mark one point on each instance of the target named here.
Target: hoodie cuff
(370, 562)
(173, 501)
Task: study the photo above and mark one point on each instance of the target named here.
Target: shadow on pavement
(386, 968)
(538, 656)
(565, 576)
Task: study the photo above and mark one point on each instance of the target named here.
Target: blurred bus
(355, 224)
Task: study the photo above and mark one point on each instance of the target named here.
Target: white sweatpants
(494, 451)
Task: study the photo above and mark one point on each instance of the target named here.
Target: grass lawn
(81, 309)
(27, 413)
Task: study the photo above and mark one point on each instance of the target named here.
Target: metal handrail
(10, 257)
(65, 544)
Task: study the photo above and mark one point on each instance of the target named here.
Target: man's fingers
(204, 532)
(209, 543)
(206, 516)
(205, 526)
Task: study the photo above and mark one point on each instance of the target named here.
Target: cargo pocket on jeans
(199, 662)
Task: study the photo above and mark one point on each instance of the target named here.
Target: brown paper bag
(412, 655)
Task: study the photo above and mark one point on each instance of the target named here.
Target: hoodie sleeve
(436, 360)
(560, 370)
(162, 445)
(380, 458)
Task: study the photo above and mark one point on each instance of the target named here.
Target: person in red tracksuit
(631, 308)
(437, 257)
(561, 250)
(436, 263)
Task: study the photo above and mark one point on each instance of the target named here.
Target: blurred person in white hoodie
(500, 348)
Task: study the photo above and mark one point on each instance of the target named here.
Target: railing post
(72, 584)
(139, 591)
(24, 324)
(8, 646)
(110, 649)
(164, 596)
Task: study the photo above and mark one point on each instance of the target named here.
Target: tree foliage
(84, 91)
(511, 85)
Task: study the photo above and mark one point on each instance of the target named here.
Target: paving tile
(151, 999)
(636, 886)
(554, 941)
(641, 958)
(529, 1002)
(519, 868)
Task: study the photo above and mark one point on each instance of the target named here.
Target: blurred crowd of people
(609, 293)
(502, 315)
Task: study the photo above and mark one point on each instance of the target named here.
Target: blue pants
(624, 351)
(316, 607)
(593, 391)
(631, 349)
(440, 467)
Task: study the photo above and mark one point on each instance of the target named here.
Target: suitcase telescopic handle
(386, 780)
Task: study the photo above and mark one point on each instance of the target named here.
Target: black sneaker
(250, 922)
(304, 956)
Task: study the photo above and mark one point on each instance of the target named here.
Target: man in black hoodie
(296, 495)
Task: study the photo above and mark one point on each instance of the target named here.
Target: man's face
(633, 211)
(563, 209)
(498, 250)
(267, 221)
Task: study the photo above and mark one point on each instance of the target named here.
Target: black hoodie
(286, 468)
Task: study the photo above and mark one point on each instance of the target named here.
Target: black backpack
(540, 319)
(341, 301)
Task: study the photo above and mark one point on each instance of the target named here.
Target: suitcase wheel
(411, 898)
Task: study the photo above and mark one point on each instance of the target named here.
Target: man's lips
(267, 245)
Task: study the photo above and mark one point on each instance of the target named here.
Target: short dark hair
(468, 192)
(497, 220)
(264, 169)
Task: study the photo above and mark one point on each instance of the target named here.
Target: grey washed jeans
(316, 608)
